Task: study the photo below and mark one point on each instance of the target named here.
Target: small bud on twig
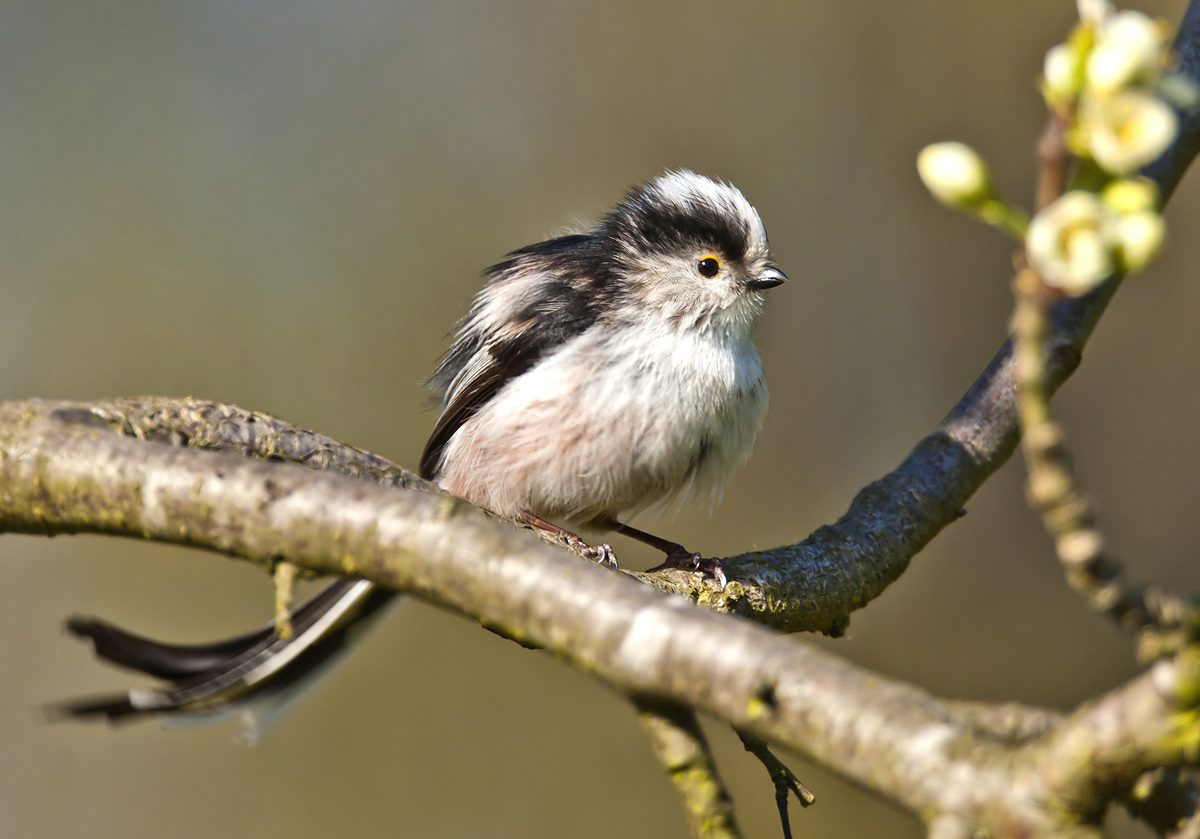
(1062, 73)
(1131, 195)
(955, 174)
(1139, 238)
(958, 177)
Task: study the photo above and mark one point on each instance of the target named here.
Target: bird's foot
(681, 557)
(602, 554)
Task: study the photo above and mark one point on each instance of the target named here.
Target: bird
(597, 375)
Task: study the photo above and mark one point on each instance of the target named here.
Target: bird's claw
(695, 562)
(602, 554)
(713, 566)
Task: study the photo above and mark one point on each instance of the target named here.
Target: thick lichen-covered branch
(673, 730)
(1100, 751)
(216, 427)
(63, 470)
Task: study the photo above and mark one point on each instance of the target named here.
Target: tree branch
(63, 470)
(216, 427)
(681, 747)
(1099, 751)
(1164, 623)
(1169, 169)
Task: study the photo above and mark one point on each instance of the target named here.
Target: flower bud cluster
(1111, 87)
(1083, 237)
(1112, 76)
(1111, 82)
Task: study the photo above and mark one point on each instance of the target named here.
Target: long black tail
(259, 669)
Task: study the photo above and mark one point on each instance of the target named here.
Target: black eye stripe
(710, 266)
(657, 225)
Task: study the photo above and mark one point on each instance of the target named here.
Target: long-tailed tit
(603, 373)
(596, 375)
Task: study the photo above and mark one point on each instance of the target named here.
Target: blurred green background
(286, 205)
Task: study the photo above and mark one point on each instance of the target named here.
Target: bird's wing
(537, 300)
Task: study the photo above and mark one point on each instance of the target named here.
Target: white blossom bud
(1127, 129)
(1131, 195)
(955, 174)
(1129, 46)
(1062, 72)
(1070, 243)
(1139, 238)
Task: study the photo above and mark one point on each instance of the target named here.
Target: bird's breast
(616, 419)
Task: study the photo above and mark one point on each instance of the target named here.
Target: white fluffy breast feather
(615, 420)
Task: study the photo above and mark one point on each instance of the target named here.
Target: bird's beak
(769, 278)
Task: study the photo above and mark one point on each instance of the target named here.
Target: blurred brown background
(286, 205)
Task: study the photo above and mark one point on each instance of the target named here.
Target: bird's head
(691, 249)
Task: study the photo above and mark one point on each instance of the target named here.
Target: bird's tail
(254, 676)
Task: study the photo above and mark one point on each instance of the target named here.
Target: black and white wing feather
(537, 299)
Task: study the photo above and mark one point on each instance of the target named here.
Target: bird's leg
(603, 554)
(677, 555)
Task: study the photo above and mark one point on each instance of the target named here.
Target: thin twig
(1054, 160)
(285, 576)
(784, 779)
(1163, 621)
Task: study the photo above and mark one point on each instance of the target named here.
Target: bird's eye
(710, 266)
